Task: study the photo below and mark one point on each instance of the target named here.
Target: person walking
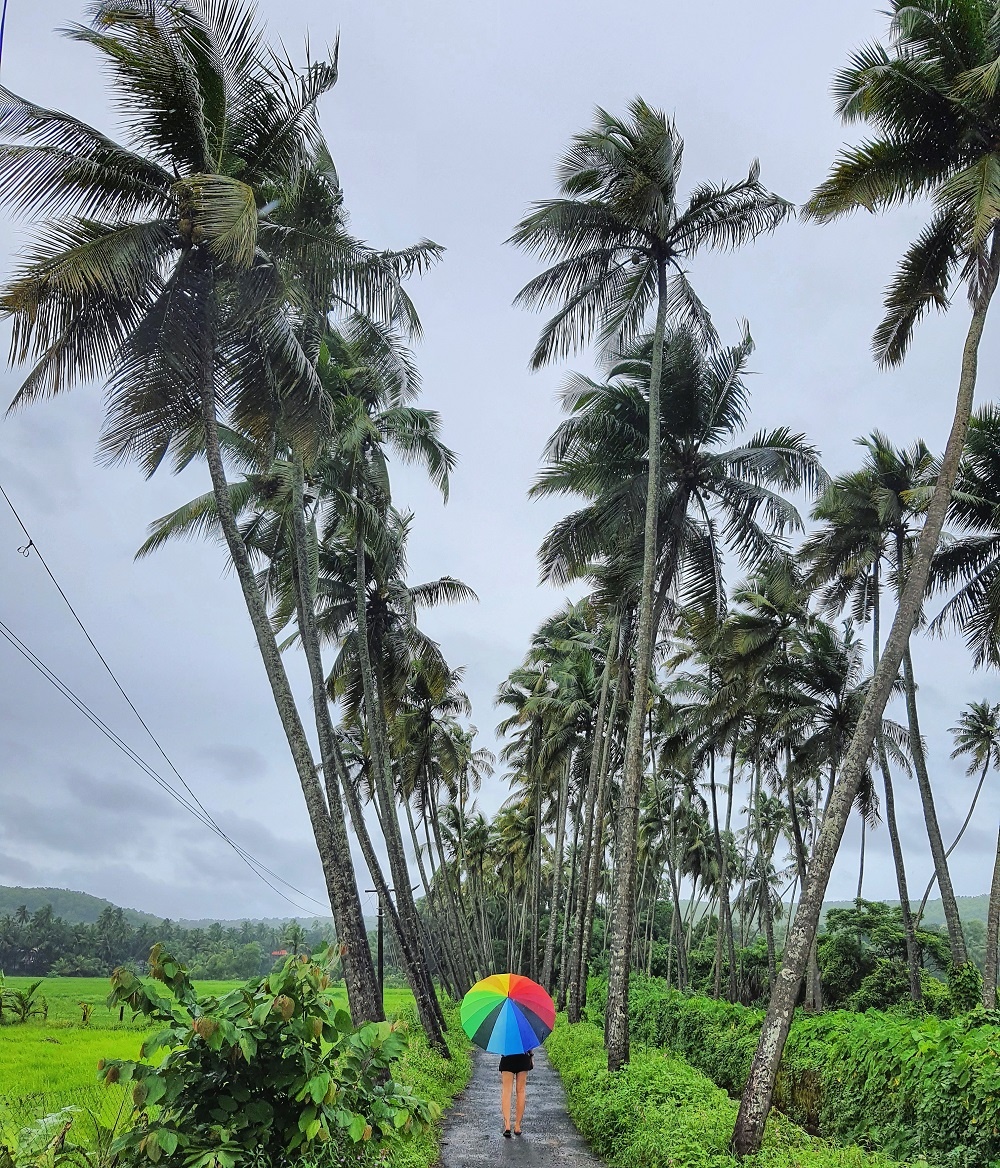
(514, 1070)
(509, 1015)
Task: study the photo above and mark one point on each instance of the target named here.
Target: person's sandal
(506, 1133)
(517, 1132)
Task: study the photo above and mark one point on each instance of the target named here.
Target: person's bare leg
(522, 1083)
(506, 1087)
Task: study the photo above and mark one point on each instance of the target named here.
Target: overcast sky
(447, 121)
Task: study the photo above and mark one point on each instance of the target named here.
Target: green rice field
(46, 1065)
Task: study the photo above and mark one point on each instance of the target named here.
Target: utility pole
(380, 943)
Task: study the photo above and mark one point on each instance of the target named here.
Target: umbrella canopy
(508, 1014)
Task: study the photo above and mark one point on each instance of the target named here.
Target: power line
(57, 682)
(194, 805)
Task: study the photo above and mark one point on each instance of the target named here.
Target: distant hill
(970, 908)
(80, 908)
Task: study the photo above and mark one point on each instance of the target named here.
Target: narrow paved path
(473, 1129)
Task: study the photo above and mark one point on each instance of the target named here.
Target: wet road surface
(473, 1129)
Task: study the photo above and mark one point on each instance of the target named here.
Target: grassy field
(45, 1065)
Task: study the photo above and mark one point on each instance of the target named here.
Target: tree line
(42, 944)
(668, 738)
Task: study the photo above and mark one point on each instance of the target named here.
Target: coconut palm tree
(181, 267)
(712, 495)
(367, 382)
(977, 736)
(930, 99)
(620, 238)
(866, 519)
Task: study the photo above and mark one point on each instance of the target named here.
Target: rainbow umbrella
(508, 1014)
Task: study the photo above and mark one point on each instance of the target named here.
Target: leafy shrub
(914, 1087)
(965, 985)
(73, 1137)
(432, 1077)
(659, 1112)
(22, 1005)
(269, 1073)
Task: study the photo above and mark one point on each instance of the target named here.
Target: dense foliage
(660, 1112)
(273, 1069)
(914, 1086)
(433, 1078)
(41, 943)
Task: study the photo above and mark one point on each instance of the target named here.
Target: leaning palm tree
(977, 736)
(930, 98)
(620, 239)
(367, 385)
(184, 269)
(869, 524)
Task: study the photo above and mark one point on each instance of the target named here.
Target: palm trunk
(363, 991)
(909, 931)
(948, 901)
(912, 949)
(357, 814)
(861, 858)
(523, 930)
(602, 728)
(447, 937)
(992, 937)
(626, 839)
(755, 1103)
(596, 859)
(814, 985)
(550, 939)
(337, 871)
(677, 915)
(536, 885)
(652, 922)
(463, 942)
(477, 952)
(568, 943)
(417, 850)
(428, 1009)
(725, 909)
(958, 838)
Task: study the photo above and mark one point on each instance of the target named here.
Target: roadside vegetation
(660, 1112)
(210, 1074)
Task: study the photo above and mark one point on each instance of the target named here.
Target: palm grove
(684, 753)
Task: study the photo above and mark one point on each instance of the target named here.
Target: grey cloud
(238, 764)
(17, 870)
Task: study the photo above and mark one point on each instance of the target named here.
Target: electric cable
(53, 678)
(57, 682)
(201, 813)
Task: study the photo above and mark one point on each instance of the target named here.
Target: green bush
(659, 1112)
(432, 1077)
(912, 1087)
(270, 1073)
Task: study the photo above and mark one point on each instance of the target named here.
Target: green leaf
(259, 1111)
(167, 1141)
(318, 1086)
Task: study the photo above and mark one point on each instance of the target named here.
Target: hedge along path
(473, 1130)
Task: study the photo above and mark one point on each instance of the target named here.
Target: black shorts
(516, 1063)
